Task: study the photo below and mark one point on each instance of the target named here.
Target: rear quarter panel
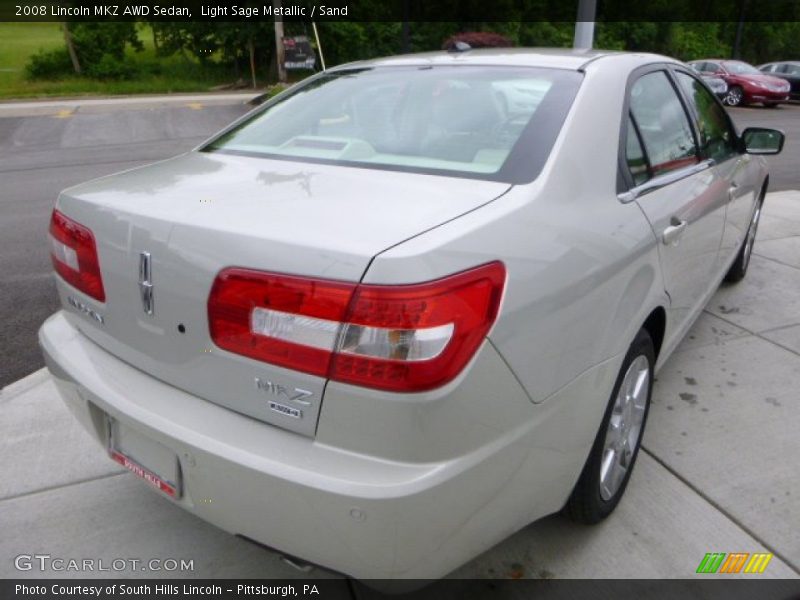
(582, 276)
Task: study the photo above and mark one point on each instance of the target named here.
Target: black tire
(586, 503)
(735, 96)
(739, 267)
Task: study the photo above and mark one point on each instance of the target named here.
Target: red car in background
(746, 84)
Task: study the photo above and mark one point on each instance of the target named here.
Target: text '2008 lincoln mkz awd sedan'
(409, 305)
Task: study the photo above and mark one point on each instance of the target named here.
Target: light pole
(584, 24)
(737, 41)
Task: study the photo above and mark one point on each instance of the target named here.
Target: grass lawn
(18, 41)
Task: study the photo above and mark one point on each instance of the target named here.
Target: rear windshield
(491, 123)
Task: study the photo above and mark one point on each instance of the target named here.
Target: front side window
(662, 123)
(465, 120)
(717, 137)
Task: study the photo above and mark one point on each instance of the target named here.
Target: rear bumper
(356, 514)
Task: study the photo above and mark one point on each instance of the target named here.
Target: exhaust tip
(292, 561)
(296, 563)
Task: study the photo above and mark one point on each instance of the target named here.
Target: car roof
(559, 58)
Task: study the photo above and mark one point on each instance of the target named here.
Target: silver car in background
(408, 306)
(716, 85)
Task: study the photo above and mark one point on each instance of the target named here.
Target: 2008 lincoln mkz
(409, 305)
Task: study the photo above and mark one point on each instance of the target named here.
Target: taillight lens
(74, 255)
(391, 337)
(280, 319)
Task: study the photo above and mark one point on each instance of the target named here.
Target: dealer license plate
(145, 458)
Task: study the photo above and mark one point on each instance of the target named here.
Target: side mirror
(761, 140)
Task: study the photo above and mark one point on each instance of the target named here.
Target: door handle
(675, 230)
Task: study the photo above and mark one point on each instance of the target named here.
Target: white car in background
(408, 306)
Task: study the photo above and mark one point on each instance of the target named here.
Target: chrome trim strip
(663, 180)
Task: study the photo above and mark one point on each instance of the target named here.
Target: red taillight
(242, 299)
(74, 255)
(392, 337)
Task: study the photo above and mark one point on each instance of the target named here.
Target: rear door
(681, 195)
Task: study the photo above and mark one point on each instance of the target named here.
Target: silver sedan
(409, 305)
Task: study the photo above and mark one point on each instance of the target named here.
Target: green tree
(103, 43)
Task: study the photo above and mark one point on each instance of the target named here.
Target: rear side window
(492, 123)
(634, 155)
(717, 136)
(662, 123)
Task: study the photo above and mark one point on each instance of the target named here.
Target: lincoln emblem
(146, 282)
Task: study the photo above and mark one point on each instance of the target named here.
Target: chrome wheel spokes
(734, 97)
(624, 426)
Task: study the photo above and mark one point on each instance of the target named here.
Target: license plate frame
(135, 452)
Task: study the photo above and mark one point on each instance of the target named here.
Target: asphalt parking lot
(48, 146)
(718, 472)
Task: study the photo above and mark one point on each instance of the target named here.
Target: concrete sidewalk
(719, 471)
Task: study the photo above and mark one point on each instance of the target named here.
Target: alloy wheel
(624, 426)
(734, 97)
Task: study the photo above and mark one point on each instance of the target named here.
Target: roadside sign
(298, 53)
